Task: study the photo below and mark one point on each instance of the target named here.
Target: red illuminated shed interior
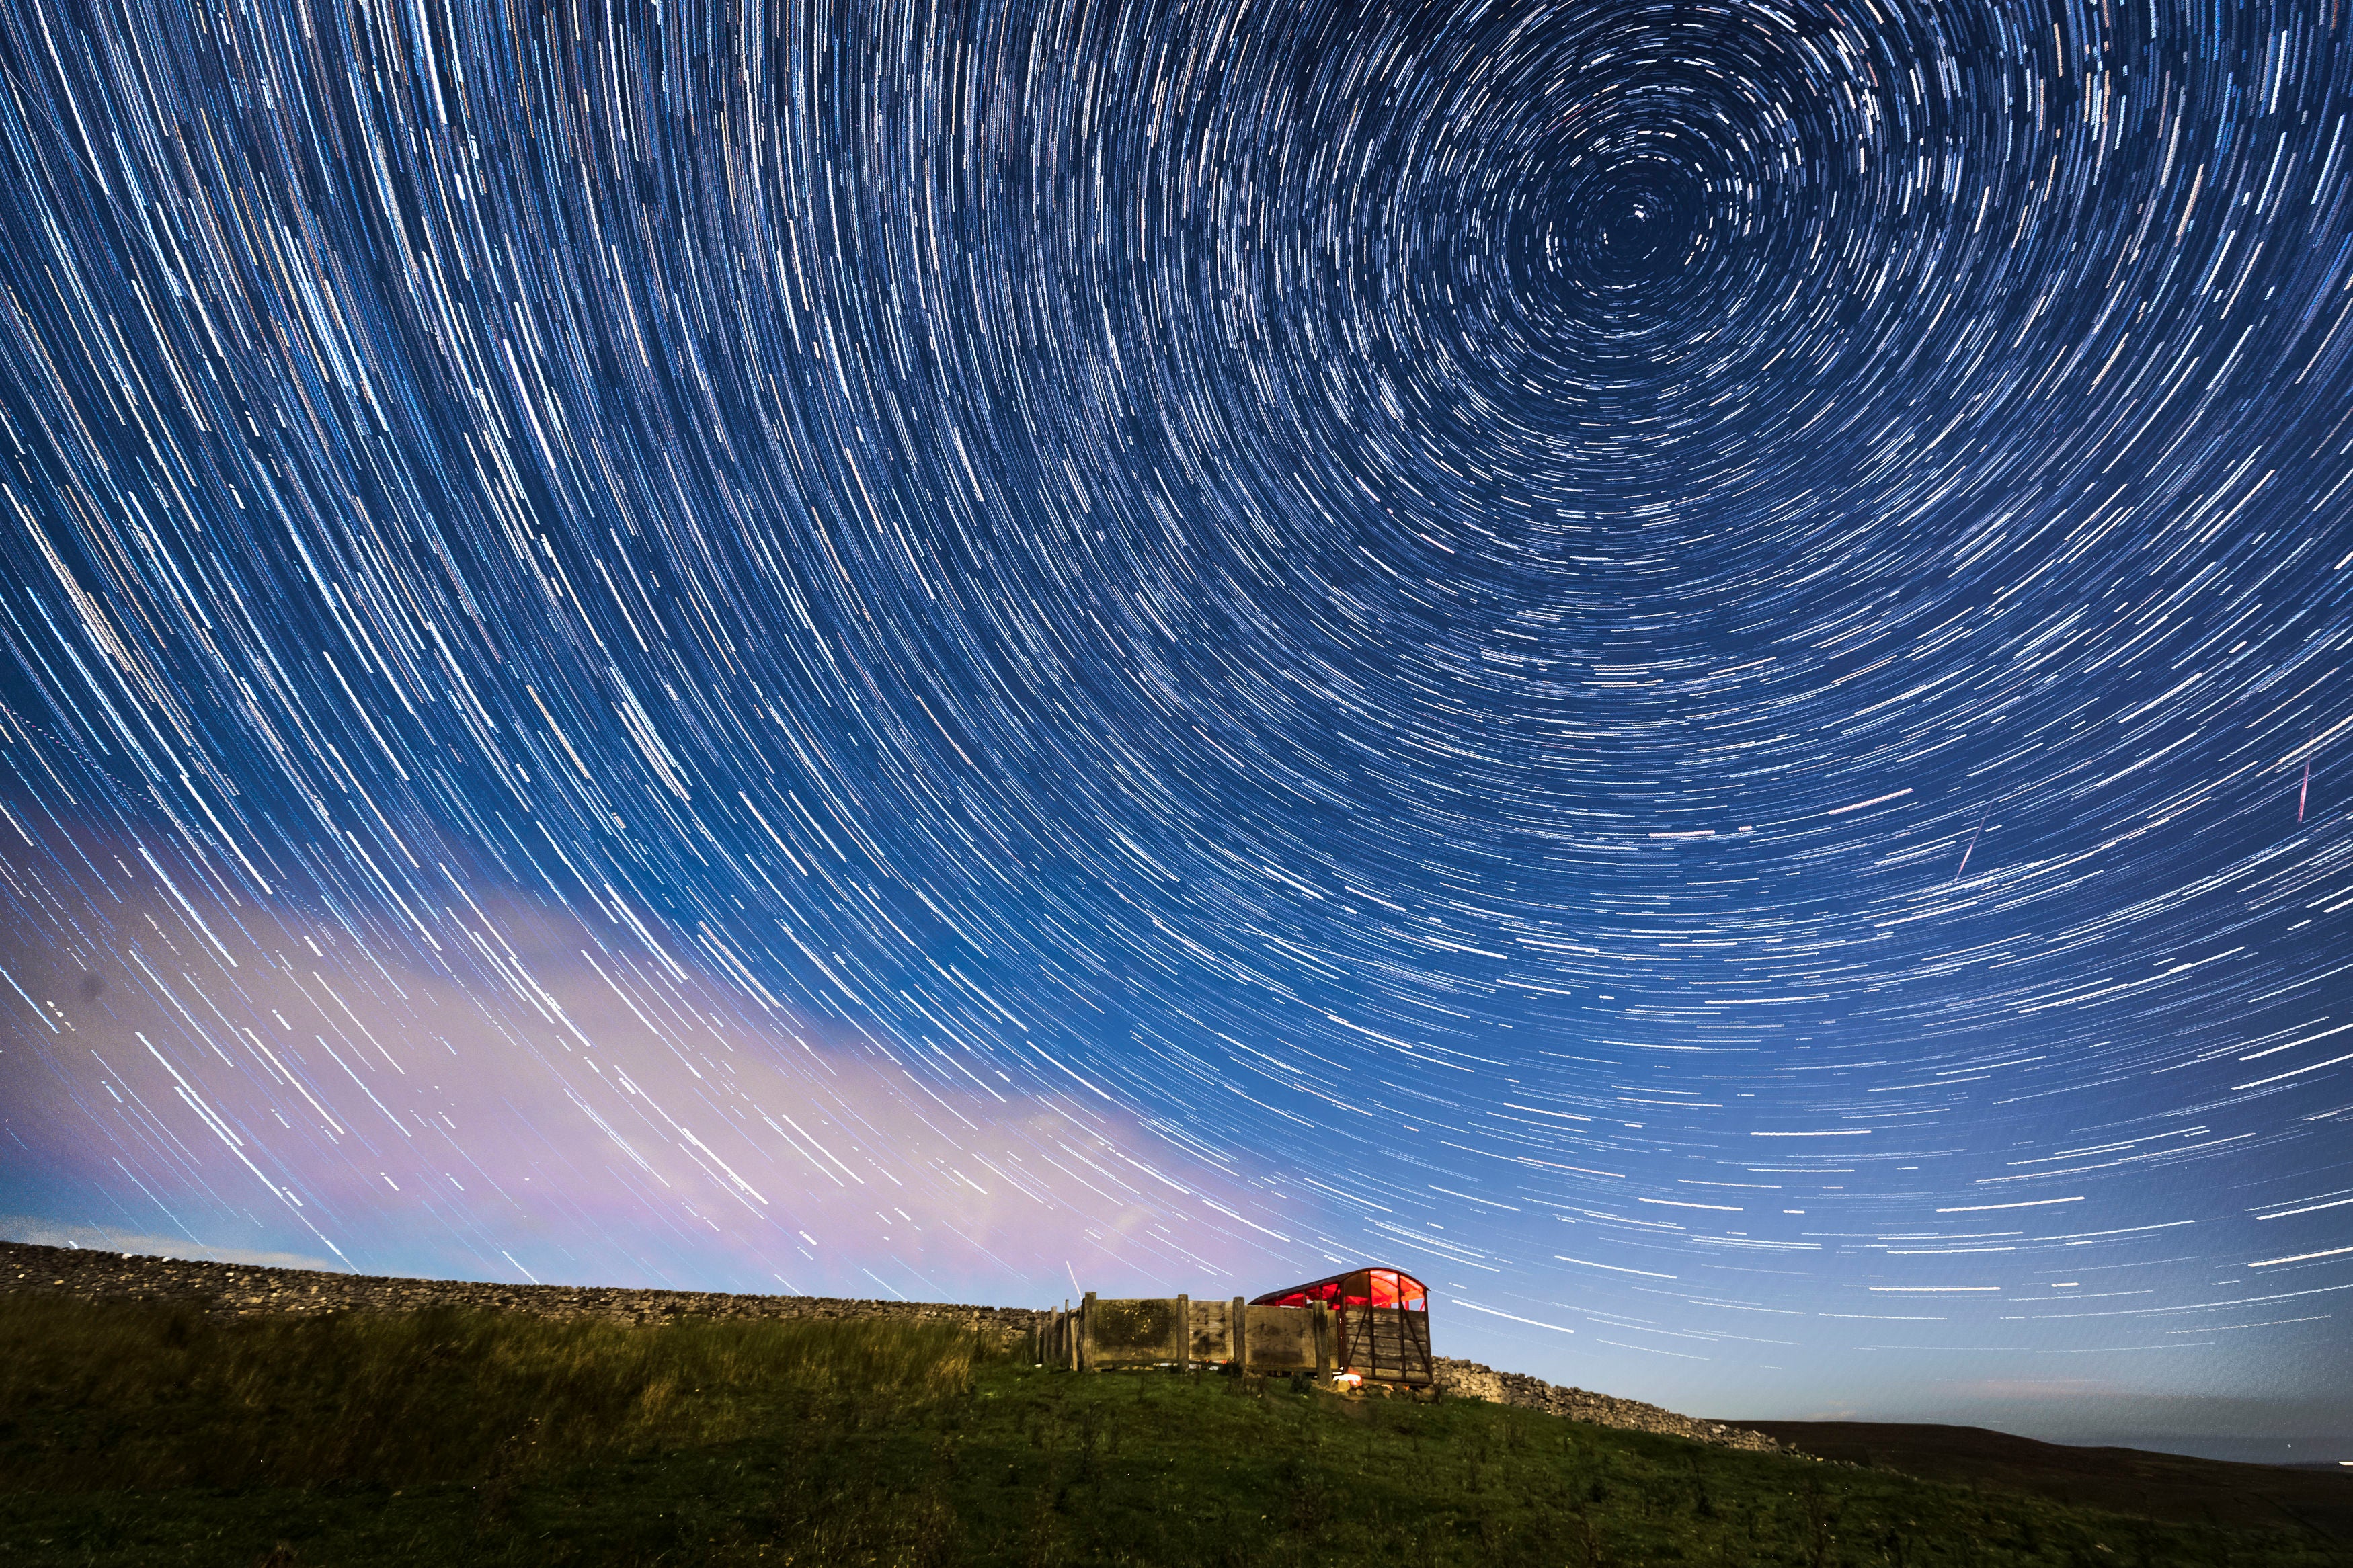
(1360, 1287)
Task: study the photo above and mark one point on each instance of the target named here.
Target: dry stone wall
(238, 1290)
(1470, 1380)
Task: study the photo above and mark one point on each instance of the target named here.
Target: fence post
(1087, 1334)
(1185, 1333)
(1237, 1334)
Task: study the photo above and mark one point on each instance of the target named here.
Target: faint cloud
(588, 1106)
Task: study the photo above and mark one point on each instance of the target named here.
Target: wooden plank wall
(1098, 1334)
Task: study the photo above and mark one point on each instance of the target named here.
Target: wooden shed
(1380, 1318)
(1371, 1322)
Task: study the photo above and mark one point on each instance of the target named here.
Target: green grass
(143, 1435)
(121, 1395)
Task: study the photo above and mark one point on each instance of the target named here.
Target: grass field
(136, 1434)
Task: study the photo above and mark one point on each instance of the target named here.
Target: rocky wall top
(238, 1290)
(1470, 1380)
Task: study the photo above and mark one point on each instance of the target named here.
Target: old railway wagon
(1372, 1322)
(1380, 1319)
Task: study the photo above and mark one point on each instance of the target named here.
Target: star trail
(1684, 665)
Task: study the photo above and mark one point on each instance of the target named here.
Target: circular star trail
(1683, 664)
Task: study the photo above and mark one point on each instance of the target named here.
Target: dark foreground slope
(2128, 1480)
(153, 1432)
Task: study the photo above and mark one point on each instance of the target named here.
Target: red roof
(1358, 1288)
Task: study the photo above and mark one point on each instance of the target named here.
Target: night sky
(1682, 664)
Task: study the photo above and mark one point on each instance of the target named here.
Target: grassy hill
(2126, 1480)
(146, 1434)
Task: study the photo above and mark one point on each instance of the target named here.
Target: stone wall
(1470, 1380)
(237, 1289)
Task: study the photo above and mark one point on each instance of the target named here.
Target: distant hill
(2125, 1480)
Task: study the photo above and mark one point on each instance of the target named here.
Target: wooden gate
(1384, 1342)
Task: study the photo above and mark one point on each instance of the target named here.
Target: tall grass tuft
(111, 1395)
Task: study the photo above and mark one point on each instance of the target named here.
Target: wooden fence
(1100, 1335)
